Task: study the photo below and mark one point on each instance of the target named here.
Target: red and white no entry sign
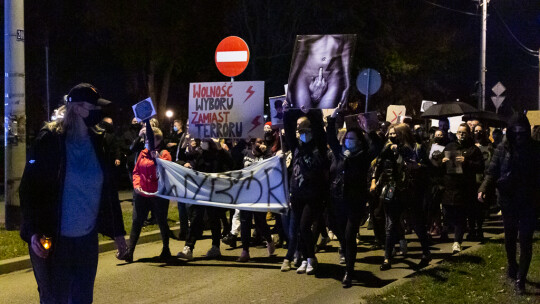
(232, 56)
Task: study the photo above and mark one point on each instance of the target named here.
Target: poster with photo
(276, 110)
(320, 71)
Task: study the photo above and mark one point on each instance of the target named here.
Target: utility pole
(14, 109)
(539, 79)
(482, 95)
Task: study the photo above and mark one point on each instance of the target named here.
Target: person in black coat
(67, 196)
(515, 173)
(348, 189)
(306, 139)
(461, 162)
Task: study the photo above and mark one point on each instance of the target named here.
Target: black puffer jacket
(43, 181)
(515, 170)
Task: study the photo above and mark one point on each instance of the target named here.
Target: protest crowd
(396, 178)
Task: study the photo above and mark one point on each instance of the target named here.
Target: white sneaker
(302, 268)
(456, 248)
(214, 252)
(286, 266)
(186, 254)
(311, 265)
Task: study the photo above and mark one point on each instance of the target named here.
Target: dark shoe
(385, 266)
(165, 254)
(444, 237)
(230, 239)
(511, 272)
(426, 258)
(172, 235)
(520, 286)
(347, 280)
(128, 257)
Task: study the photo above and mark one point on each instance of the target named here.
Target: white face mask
(205, 145)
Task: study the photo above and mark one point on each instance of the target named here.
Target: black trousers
(306, 213)
(520, 220)
(347, 225)
(246, 218)
(141, 207)
(196, 219)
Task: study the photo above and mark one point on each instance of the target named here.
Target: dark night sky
(442, 45)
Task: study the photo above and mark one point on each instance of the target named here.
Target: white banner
(259, 187)
(226, 109)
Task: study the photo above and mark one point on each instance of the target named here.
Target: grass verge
(12, 246)
(476, 277)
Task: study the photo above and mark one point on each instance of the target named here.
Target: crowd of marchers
(400, 177)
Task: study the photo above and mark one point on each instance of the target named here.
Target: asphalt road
(227, 281)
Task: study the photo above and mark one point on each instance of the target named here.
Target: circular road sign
(232, 56)
(368, 81)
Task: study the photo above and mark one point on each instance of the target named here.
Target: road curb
(399, 282)
(23, 262)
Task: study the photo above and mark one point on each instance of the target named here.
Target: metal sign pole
(367, 89)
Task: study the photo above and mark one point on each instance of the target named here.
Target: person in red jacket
(145, 182)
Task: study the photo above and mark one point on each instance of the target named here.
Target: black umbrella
(491, 118)
(449, 109)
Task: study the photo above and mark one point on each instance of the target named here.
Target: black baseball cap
(86, 92)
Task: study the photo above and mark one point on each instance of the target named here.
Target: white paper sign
(259, 187)
(226, 109)
(393, 111)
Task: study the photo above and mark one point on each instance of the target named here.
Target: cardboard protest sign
(259, 187)
(144, 109)
(534, 117)
(276, 110)
(365, 121)
(226, 109)
(393, 111)
(320, 71)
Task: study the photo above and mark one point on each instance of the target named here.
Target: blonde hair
(157, 133)
(66, 121)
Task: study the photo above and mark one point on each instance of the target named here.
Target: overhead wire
(530, 51)
(451, 9)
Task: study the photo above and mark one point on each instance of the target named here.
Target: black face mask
(438, 140)
(135, 127)
(93, 118)
(394, 140)
(107, 127)
(478, 136)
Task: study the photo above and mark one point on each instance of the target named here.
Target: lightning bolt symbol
(255, 122)
(250, 92)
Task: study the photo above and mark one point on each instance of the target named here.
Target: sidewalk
(402, 266)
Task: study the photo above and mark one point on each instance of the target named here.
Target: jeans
(291, 228)
(68, 274)
(141, 207)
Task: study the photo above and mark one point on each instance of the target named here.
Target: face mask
(93, 118)
(394, 140)
(350, 144)
(106, 126)
(305, 137)
(147, 146)
(175, 129)
(135, 126)
(205, 145)
(438, 140)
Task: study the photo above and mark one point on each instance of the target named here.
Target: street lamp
(169, 115)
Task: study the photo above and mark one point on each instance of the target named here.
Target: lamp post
(169, 115)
